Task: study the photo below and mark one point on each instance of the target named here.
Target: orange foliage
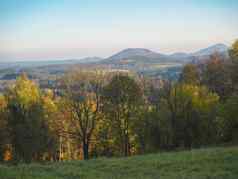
(7, 155)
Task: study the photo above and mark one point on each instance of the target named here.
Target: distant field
(167, 65)
(217, 163)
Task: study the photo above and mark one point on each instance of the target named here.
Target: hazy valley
(138, 60)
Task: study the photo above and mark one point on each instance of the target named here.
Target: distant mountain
(217, 48)
(135, 52)
(136, 56)
(141, 55)
(127, 56)
(136, 59)
(179, 55)
(201, 54)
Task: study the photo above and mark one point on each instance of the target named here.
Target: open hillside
(211, 163)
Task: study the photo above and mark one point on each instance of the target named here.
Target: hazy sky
(61, 29)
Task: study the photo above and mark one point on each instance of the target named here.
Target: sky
(69, 29)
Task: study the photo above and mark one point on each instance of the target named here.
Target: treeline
(90, 114)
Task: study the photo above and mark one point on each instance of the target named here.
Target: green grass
(209, 163)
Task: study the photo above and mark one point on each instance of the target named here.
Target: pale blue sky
(61, 29)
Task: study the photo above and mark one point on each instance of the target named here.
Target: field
(196, 164)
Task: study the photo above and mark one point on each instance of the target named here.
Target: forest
(90, 114)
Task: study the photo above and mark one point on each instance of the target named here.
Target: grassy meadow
(217, 163)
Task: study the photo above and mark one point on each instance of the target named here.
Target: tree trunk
(126, 146)
(85, 151)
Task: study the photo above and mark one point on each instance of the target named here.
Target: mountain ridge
(134, 54)
(130, 56)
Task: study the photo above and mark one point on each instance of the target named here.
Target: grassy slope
(196, 164)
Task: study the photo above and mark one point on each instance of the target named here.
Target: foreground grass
(210, 163)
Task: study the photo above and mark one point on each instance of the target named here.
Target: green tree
(121, 98)
(190, 74)
(234, 66)
(189, 107)
(228, 120)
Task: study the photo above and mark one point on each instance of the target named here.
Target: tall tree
(4, 137)
(228, 120)
(82, 92)
(189, 107)
(234, 51)
(190, 74)
(215, 75)
(121, 97)
(234, 67)
(27, 128)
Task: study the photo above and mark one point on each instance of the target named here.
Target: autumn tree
(228, 109)
(4, 137)
(27, 128)
(233, 52)
(53, 121)
(82, 93)
(216, 76)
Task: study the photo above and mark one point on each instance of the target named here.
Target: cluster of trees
(90, 113)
